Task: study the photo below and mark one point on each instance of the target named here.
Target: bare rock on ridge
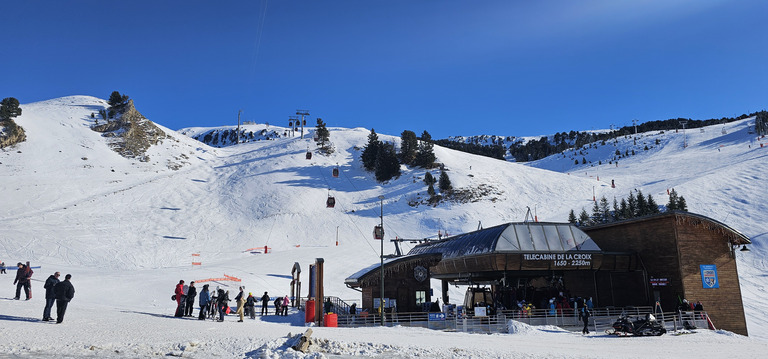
(131, 133)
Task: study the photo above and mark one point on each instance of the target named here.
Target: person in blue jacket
(205, 301)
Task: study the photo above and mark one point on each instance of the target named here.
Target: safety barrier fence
(601, 319)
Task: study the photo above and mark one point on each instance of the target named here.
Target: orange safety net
(226, 277)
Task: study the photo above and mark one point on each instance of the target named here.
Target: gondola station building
(655, 261)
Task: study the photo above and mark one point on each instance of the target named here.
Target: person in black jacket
(50, 298)
(222, 302)
(64, 292)
(21, 281)
(191, 294)
(265, 304)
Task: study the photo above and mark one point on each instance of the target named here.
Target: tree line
(635, 205)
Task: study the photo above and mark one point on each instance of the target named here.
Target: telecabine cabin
(635, 262)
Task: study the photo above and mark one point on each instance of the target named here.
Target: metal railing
(601, 319)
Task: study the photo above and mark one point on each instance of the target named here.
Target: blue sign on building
(436, 316)
(709, 276)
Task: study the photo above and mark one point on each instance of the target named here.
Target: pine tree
(370, 152)
(9, 108)
(444, 183)
(624, 210)
(616, 212)
(431, 190)
(673, 199)
(653, 208)
(681, 205)
(595, 213)
(116, 99)
(572, 217)
(642, 205)
(387, 165)
(429, 179)
(631, 206)
(409, 146)
(425, 157)
(584, 218)
(323, 135)
(605, 211)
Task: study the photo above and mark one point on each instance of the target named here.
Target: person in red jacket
(179, 292)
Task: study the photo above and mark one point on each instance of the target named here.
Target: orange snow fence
(265, 248)
(197, 263)
(226, 277)
(195, 254)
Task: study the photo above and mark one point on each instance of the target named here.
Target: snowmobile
(626, 326)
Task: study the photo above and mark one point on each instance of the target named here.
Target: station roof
(523, 237)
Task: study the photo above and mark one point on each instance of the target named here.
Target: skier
(205, 299)
(264, 304)
(50, 298)
(179, 292)
(2, 267)
(64, 292)
(585, 313)
(191, 294)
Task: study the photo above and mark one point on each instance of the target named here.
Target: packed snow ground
(126, 230)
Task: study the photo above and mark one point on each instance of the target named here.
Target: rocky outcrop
(11, 133)
(130, 133)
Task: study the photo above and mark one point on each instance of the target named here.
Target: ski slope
(127, 231)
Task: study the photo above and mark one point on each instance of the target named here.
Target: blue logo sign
(709, 276)
(436, 316)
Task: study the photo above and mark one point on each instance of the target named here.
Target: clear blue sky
(449, 67)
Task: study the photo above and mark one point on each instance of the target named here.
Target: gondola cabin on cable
(330, 202)
(309, 155)
(378, 232)
(336, 172)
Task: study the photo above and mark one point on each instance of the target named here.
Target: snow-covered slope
(69, 203)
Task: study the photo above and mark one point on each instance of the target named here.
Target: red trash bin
(331, 320)
(309, 311)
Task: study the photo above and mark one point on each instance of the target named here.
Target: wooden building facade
(684, 256)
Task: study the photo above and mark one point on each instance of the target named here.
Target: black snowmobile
(626, 326)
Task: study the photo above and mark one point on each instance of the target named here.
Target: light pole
(381, 294)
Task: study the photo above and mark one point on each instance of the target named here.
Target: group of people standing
(59, 292)
(217, 302)
(56, 291)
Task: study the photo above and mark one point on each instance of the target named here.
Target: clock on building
(420, 273)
